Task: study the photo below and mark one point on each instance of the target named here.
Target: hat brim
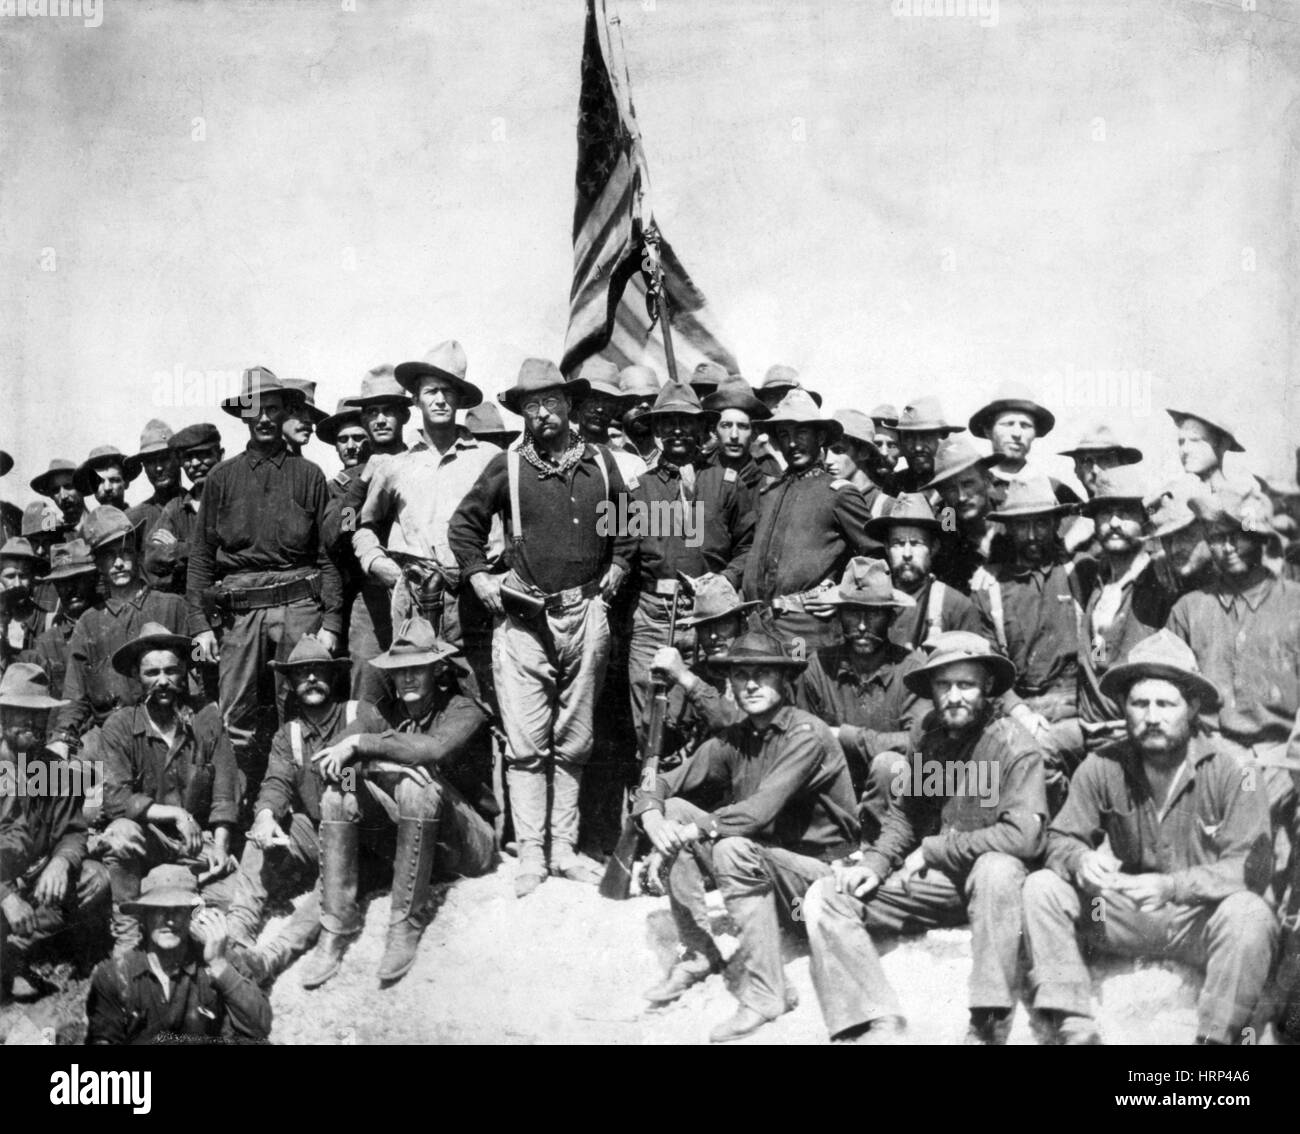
(575, 388)
(82, 479)
(775, 661)
(956, 470)
(27, 701)
(1097, 503)
(240, 402)
(982, 420)
(1003, 669)
(41, 484)
(706, 416)
(163, 900)
(328, 430)
(753, 409)
(829, 426)
(413, 660)
(500, 438)
(861, 599)
(1179, 416)
(126, 657)
(1127, 454)
(1023, 513)
(1116, 681)
(740, 609)
(928, 427)
(316, 663)
(877, 526)
(393, 399)
(71, 571)
(134, 464)
(409, 374)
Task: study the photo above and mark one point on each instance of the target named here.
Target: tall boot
(417, 841)
(340, 915)
(528, 813)
(565, 860)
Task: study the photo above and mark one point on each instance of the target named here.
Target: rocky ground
(566, 966)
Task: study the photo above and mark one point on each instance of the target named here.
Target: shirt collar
(780, 721)
(142, 725)
(1140, 563)
(276, 458)
(464, 440)
(136, 600)
(326, 727)
(843, 664)
(1253, 592)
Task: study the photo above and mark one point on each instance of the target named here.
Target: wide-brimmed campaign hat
(1217, 420)
(759, 647)
(910, 508)
(716, 598)
(307, 406)
(1169, 510)
(192, 436)
(676, 397)
(956, 455)
(1012, 397)
(1029, 496)
(708, 376)
(415, 643)
(41, 518)
(857, 426)
(346, 413)
(68, 560)
(638, 382)
(1249, 511)
(885, 414)
(447, 361)
(537, 375)
(782, 377)
(601, 377)
(152, 636)
(379, 387)
(962, 646)
(309, 650)
(254, 383)
(798, 407)
(1102, 439)
(166, 888)
(42, 483)
(107, 525)
(925, 415)
(86, 479)
(866, 582)
(1125, 484)
(25, 685)
(16, 547)
(153, 440)
(1168, 657)
(736, 394)
(486, 423)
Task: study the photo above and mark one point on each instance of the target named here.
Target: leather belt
(243, 599)
(665, 588)
(570, 596)
(795, 602)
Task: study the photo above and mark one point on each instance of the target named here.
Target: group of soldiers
(891, 682)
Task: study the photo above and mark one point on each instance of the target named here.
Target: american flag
(609, 312)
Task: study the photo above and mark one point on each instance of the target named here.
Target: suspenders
(295, 731)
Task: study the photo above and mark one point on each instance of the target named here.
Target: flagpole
(661, 299)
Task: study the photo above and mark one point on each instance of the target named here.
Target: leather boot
(689, 970)
(528, 812)
(340, 915)
(417, 841)
(565, 861)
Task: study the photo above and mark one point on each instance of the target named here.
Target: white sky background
(892, 204)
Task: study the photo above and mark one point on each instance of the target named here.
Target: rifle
(617, 882)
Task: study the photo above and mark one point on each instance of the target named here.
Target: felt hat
(307, 406)
(716, 598)
(782, 377)
(380, 387)
(86, 479)
(6, 463)
(910, 508)
(485, 423)
(759, 647)
(708, 376)
(857, 426)
(866, 582)
(798, 407)
(1250, 511)
(1102, 439)
(255, 382)
(961, 646)
(956, 455)
(1124, 484)
(152, 636)
(16, 547)
(537, 375)
(447, 361)
(676, 397)
(166, 888)
(1168, 657)
(309, 650)
(1218, 421)
(736, 394)
(886, 415)
(68, 560)
(415, 643)
(1029, 496)
(346, 413)
(25, 685)
(106, 526)
(1012, 397)
(192, 436)
(43, 483)
(41, 518)
(925, 415)
(638, 382)
(153, 439)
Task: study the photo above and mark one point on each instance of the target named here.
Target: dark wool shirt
(35, 828)
(808, 527)
(787, 786)
(966, 795)
(196, 772)
(911, 626)
(292, 785)
(1214, 839)
(263, 513)
(565, 542)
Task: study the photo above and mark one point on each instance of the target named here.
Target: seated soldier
(178, 982)
(699, 698)
(1162, 850)
(46, 884)
(424, 766)
(170, 776)
(282, 855)
(965, 823)
(857, 687)
(791, 812)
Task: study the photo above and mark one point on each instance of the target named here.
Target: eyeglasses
(550, 402)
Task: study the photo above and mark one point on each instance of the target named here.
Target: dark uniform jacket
(292, 782)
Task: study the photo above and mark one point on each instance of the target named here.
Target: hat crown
(923, 414)
(639, 380)
(538, 374)
(16, 547)
(954, 453)
(100, 452)
(308, 649)
(484, 418)
(162, 879)
(1167, 649)
(416, 635)
(798, 405)
(735, 394)
(200, 433)
(857, 424)
(910, 508)
(597, 369)
(155, 435)
(23, 679)
(74, 553)
(1123, 482)
(867, 580)
(1029, 494)
(105, 525)
(884, 414)
(40, 517)
(710, 373)
(450, 357)
(1251, 510)
(780, 375)
(677, 397)
(304, 386)
(715, 597)
(757, 645)
(1100, 437)
(380, 382)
